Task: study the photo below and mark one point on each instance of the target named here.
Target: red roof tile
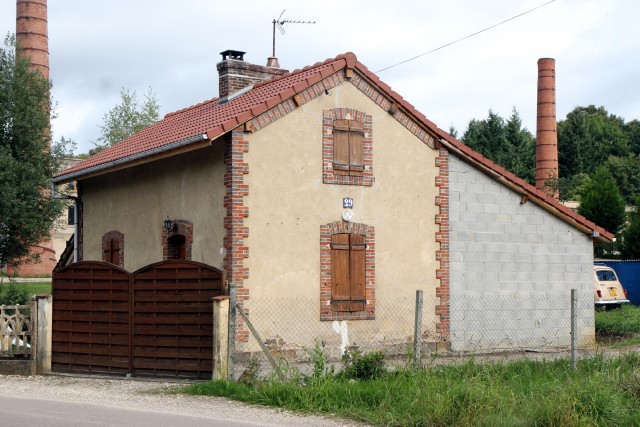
(207, 118)
(213, 119)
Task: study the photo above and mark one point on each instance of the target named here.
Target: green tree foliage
(127, 118)
(601, 202)
(632, 129)
(586, 139)
(27, 157)
(626, 172)
(631, 234)
(505, 142)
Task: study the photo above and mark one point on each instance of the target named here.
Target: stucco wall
(136, 201)
(288, 203)
(512, 267)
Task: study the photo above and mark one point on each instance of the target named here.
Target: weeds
(602, 392)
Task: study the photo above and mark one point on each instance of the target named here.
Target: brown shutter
(356, 137)
(114, 257)
(341, 147)
(340, 283)
(356, 266)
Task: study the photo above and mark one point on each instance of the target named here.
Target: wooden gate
(157, 321)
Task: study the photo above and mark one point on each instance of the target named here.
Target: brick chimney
(31, 33)
(546, 130)
(235, 74)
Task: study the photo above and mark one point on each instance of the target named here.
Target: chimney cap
(233, 54)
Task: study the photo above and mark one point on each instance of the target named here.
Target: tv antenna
(280, 24)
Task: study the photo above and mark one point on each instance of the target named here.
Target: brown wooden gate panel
(157, 321)
(173, 319)
(91, 319)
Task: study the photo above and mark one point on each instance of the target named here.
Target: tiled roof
(210, 119)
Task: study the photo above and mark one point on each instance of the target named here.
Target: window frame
(360, 306)
(357, 136)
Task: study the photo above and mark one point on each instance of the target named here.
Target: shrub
(13, 294)
(363, 366)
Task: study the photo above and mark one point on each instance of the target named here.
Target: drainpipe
(55, 195)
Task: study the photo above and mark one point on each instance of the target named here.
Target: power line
(466, 37)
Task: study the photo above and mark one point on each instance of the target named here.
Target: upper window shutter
(356, 137)
(357, 272)
(341, 146)
(340, 283)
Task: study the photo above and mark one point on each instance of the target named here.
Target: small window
(177, 247)
(348, 137)
(112, 252)
(348, 272)
(606, 276)
(70, 215)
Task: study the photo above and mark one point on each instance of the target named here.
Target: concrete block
(492, 208)
(486, 197)
(468, 216)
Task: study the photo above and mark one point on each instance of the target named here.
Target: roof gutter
(97, 168)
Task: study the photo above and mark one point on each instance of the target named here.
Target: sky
(98, 47)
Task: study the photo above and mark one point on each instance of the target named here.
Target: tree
(601, 202)
(631, 234)
(506, 143)
(587, 138)
(626, 172)
(127, 118)
(27, 157)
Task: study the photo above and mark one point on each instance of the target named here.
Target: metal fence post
(574, 327)
(417, 331)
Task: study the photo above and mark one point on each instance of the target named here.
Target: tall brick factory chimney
(235, 74)
(33, 40)
(32, 34)
(546, 128)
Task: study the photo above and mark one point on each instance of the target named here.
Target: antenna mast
(280, 24)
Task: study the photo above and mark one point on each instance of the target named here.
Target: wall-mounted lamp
(170, 225)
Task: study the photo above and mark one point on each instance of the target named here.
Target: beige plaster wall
(136, 201)
(288, 203)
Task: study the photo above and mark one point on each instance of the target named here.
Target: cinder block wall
(512, 267)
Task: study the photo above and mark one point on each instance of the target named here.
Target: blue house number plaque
(347, 203)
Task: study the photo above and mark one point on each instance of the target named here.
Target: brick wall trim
(183, 228)
(442, 308)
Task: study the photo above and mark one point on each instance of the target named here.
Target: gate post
(220, 337)
(41, 352)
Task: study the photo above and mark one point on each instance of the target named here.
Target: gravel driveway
(136, 394)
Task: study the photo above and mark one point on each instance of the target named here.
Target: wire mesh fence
(504, 326)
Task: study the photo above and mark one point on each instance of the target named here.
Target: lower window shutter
(357, 272)
(340, 284)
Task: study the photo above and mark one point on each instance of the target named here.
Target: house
(326, 193)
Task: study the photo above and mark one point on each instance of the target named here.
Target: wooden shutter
(357, 275)
(115, 252)
(341, 147)
(356, 137)
(340, 282)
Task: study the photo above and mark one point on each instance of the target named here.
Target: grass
(618, 327)
(34, 288)
(602, 392)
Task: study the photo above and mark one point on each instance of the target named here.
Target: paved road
(25, 411)
(79, 401)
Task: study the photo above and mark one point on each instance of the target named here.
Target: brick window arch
(113, 248)
(347, 271)
(347, 147)
(177, 242)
